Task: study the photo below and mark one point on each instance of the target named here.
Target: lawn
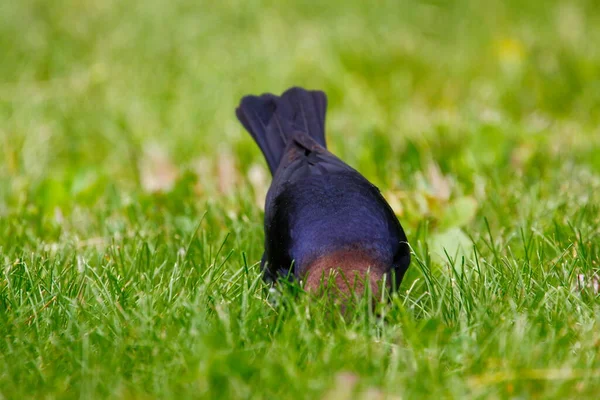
(131, 199)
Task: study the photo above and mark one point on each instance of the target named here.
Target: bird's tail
(272, 120)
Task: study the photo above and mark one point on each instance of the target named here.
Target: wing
(303, 157)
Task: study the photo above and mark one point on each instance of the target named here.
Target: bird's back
(336, 211)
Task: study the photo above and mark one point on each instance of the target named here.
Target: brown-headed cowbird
(322, 217)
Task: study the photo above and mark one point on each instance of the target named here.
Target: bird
(325, 224)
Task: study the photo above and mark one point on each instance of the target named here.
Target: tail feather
(271, 119)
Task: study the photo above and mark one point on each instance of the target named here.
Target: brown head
(349, 271)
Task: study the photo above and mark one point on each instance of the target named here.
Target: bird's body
(321, 215)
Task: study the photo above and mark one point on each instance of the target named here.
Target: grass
(130, 198)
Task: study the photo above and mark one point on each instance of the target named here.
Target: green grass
(478, 120)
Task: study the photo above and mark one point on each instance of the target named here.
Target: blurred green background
(479, 121)
(103, 101)
(86, 85)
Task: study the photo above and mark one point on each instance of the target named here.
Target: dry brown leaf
(440, 184)
(202, 167)
(394, 198)
(157, 171)
(259, 179)
(343, 387)
(227, 173)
